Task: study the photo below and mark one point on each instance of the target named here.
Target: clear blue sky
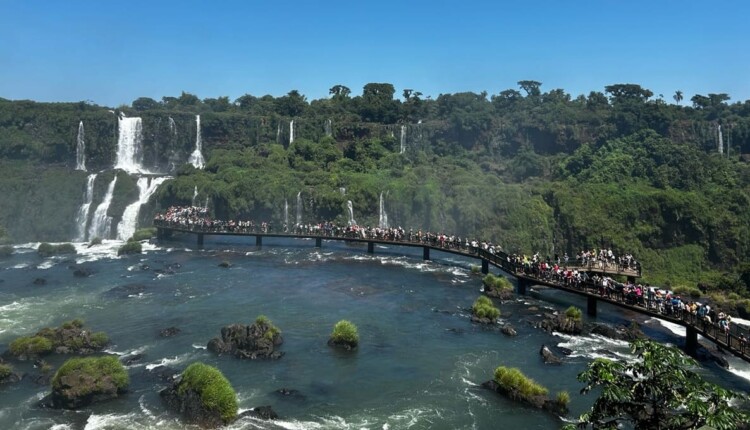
(112, 52)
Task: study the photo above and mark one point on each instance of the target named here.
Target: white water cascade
(382, 216)
(172, 127)
(720, 137)
(299, 209)
(83, 212)
(196, 158)
(349, 207)
(195, 195)
(146, 188)
(101, 224)
(286, 216)
(291, 131)
(278, 132)
(328, 128)
(130, 145)
(402, 140)
(80, 149)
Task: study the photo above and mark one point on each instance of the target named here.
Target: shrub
(47, 249)
(573, 313)
(483, 308)
(693, 292)
(31, 345)
(96, 370)
(99, 340)
(345, 332)
(143, 234)
(6, 251)
(475, 269)
(563, 398)
(131, 247)
(512, 378)
(497, 282)
(5, 371)
(76, 323)
(214, 389)
(271, 330)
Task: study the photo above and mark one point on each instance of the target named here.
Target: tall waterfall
(195, 195)
(328, 128)
(299, 208)
(146, 188)
(101, 224)
(402, 140)
(291, 131)
(382, 216)
(286, 215)
(80, 149)
(172, 127)
(349, 207)
(82, 217)
(278, 132)
(196, 158)
(720, 137)
(130, 145)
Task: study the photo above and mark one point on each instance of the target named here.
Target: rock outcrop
(83, 381)
(548, 356)
(560, 323)
(258, 340)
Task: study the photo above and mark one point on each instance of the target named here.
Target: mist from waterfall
(82, 218)
(350, 208)
(130, 145)
(129, 222)
(382, 216)
(80, 149)
(101, 224)
(196, 158)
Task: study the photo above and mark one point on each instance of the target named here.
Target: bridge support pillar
(691, 340)
(591, 306)
(522, 284)
(370, 247)
(485, 266)
(258, 241)
(200, 239)
(425, 253)
(318, 242)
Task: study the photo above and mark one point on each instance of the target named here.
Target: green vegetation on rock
(5, 371)
(483, 308)
(46, 249)
(497, 282)
(143, 234)
(90, 373)
(31, 346)
(271, 331)
(573, 313)
(513, 379)
(130, 247)
(345, 332)
(215, 391)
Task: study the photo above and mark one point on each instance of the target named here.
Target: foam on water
(167, 361)
(592, 346)
(672, 327)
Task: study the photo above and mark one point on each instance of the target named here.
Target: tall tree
(677, 96)
(531, 88)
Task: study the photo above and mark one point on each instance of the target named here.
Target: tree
(657, 391)
(144, 103)
(677, 96)
(531, 88)
(625, 92)
(292, 104)
(339, 92)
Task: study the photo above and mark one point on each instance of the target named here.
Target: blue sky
(112, 52)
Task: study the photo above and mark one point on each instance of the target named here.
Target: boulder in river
(548, 356)
(82, 381)
(258, 340)
(202, 396)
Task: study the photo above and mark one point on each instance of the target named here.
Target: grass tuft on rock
(563, 398)
(271, 330)
(47, 249)
(513, 379)
(574, 313)
(31, 346)
(483, 308)
(5, 371)
(143, 234)
(345, 332)
(215, 391)
(131, 247)
(497, 282)
(96, 371)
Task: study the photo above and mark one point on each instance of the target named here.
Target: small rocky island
(82, 381)
(259, 340)
(70, 338)
(483, 311)
(344, 336)
(513, 384)
(498, 287)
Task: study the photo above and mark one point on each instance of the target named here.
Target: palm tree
(677, 96)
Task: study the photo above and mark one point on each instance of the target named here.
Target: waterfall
(172, 127)
(329, 131)
(352, 221)
(195, 195)
(299, 208)
(342, 190)
(101, 223)
(196, 158)
(402, 139)
(129, 145)
(286, 215)
(80, 149)
(146, 188)
(278, 132)
(720, 139)
(83, 212)
(382, 216)
(291, 131)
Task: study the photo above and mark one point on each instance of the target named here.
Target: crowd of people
(558, 269)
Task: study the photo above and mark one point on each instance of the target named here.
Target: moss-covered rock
(47, 249)
(144, 234)
(130, 247)
(497, 286)
(512, 383)
(483, 311)
(7, 375)
(344, 335)
(203, 396)
(82, 381)
(258, 340)
(70, 338)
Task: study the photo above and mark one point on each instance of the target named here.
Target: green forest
(663, 177)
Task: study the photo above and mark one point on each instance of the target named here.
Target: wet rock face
(189, 405)
(548, 356)
(247, 341)
(560, 323)
(169, 332)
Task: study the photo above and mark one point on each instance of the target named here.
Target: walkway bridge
(729, 341)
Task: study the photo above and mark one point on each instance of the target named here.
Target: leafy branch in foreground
(659, 391)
